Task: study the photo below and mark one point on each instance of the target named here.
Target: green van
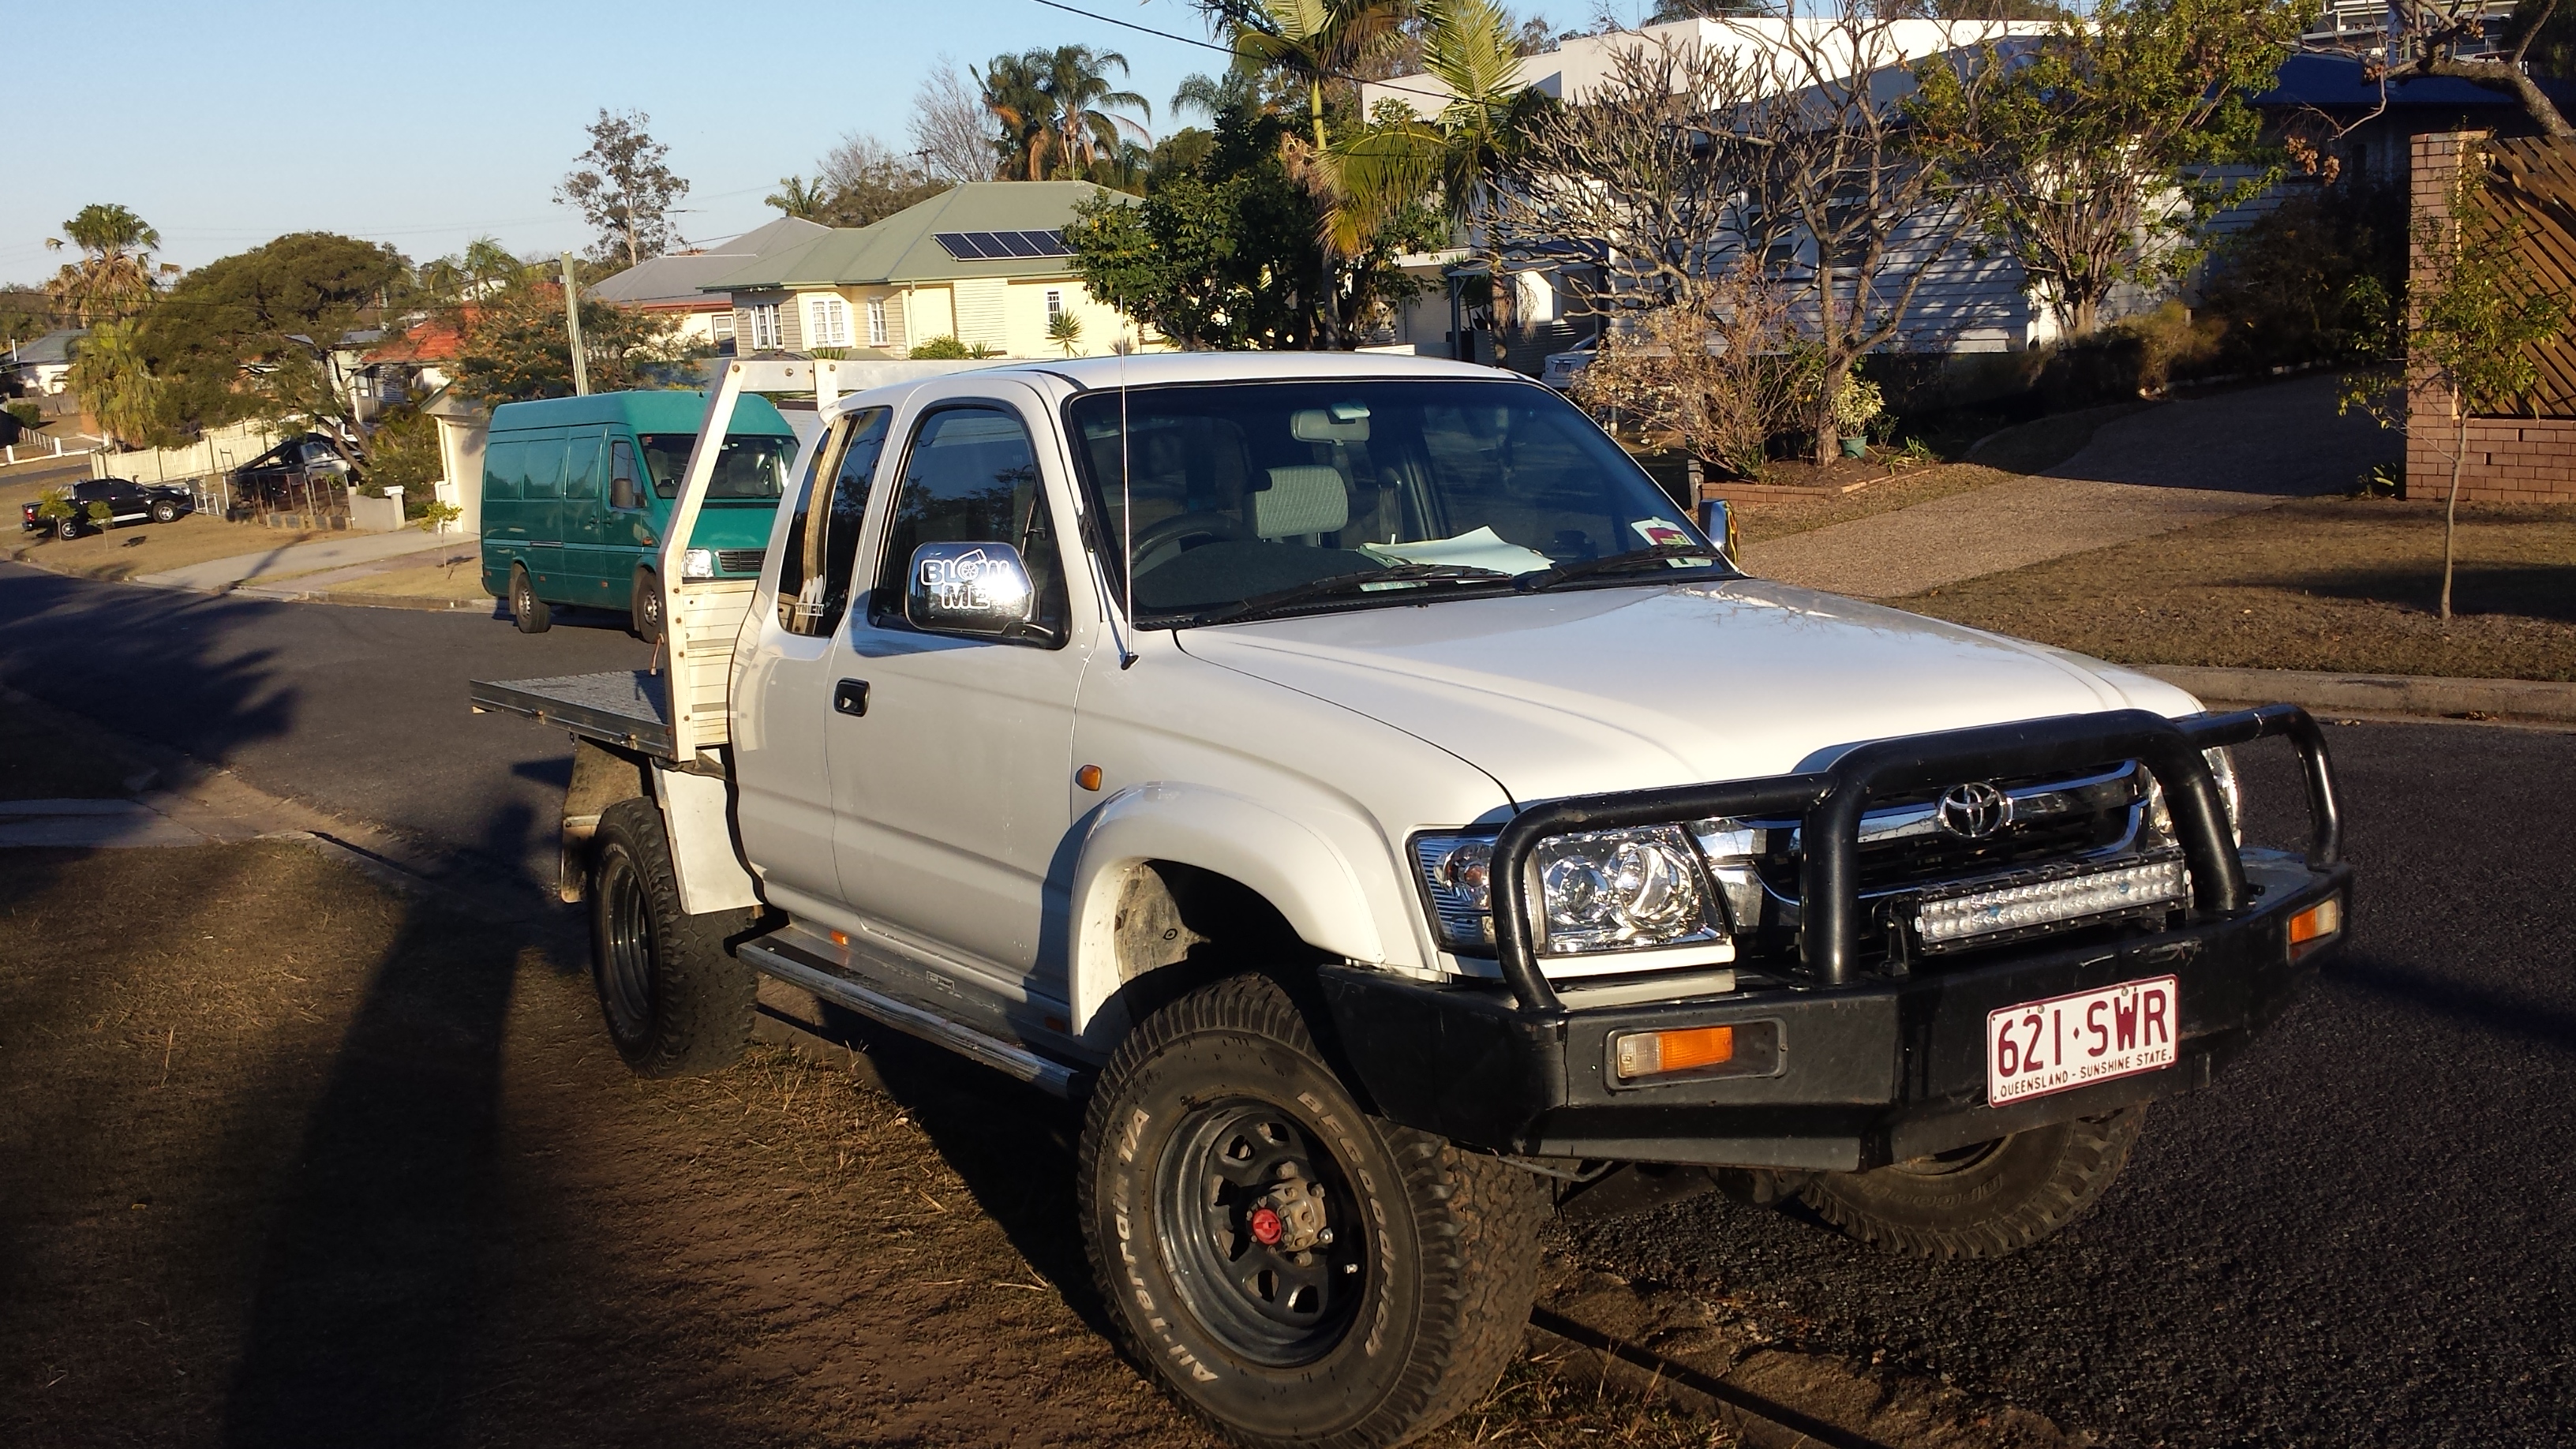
(576, 491)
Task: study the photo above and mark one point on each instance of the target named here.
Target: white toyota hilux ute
(1398, 821)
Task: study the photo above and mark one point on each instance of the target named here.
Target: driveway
(2152, 472)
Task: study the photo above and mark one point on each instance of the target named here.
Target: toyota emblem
(1975, 810)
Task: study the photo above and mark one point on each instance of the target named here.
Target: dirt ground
(2341, 584)
(146, 548)
(294, 1160)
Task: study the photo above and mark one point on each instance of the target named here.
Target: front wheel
(678, 1002)
(1293, 1270)
(645, 606)
(165, 511)
(1983, 1201)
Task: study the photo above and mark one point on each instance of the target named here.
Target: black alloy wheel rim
(1278, 1303)
(626, 965)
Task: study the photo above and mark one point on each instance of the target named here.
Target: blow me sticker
(2073, 1041)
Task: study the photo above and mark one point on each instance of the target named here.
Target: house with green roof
(984, 262)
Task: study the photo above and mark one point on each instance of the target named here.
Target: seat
(1308, 498)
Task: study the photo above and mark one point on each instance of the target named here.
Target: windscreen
(1245, 490)
(750, 466)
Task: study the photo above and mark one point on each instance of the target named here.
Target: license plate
(2065, 1042)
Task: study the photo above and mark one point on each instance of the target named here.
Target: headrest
(1307, 498)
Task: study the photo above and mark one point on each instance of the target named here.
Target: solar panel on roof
(960, 245)
(980, 246)
(1048, 243)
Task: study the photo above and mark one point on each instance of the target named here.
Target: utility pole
(572, 329)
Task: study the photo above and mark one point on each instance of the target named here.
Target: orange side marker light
(1654, 1053)
(2314, 924)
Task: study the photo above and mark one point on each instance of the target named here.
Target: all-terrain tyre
(1984, 1201)
(1295, 1271)
(165, 511)
(644, 606)
(678, 1002)
(526, 609)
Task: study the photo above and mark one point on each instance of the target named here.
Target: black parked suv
(127, 502)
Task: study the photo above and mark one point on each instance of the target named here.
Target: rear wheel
(1983, 1201)
(67, 528)
(530, 612)
(645, 607)
(1292, 1269)
(678, 1002)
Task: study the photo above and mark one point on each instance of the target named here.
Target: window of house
(1055, 304)
(827, 322)
(761, 322)
(876, 322)
(720, 327)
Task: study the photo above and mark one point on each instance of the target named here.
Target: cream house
(672, 288)
(984, 263)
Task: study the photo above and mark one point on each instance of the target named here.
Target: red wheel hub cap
(1266, 1226)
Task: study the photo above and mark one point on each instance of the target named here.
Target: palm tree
(1314, 41)
(1461, 154)
(115, 272)
(1015, 94)
(1076, 79)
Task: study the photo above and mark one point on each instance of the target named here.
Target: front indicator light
(698, 563)
(1654, 1053)
(2312, 926)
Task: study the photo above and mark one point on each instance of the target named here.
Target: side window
(501, 471)
(972, 477)
(621, 475)
(823, 535)
(544, 462)
(581, 466)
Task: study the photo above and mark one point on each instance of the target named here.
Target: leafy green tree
(115, 384)
(2093, 154)
(1313, 42)
(260, 333)
(624, 188)
(115, 274)
(1052, 106)
(402, 452)
(2467, 331)
(859, 182)
(516, 347)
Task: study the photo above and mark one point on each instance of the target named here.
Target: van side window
(581, 466)
(621, 475)
(972, 477)
(823, 534)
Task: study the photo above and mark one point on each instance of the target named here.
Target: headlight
(2222, 770)
(1603, 890)
(698, 563)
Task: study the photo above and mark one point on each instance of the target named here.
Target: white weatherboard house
(984, 263)
(1968, 303)
(673, 288)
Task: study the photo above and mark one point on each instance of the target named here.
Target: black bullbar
(1862, 1070)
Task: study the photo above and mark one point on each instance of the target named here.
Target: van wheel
(530, 611)
(677, 1000)
(1293, 1270)
(1983, 1201)
(645, 607)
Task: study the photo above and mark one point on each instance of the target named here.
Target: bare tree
(953, 135)
(624, 189)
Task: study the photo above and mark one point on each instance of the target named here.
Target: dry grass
(460, 576)
(2347, 585)
(146, 548)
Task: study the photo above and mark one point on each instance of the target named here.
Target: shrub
(54, 503)
(2289, 290)
(949, 349)
(1714, 366)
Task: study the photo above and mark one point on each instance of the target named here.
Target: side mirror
(981, 589)
(1718, 522)
(621, 492)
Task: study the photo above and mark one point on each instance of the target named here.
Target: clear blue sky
(225, 124)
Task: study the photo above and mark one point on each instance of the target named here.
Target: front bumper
(1865, 1075)
(1868, 1069)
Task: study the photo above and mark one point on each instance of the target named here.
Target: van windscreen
(751, 466)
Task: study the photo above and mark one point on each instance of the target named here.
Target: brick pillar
(2433, 169)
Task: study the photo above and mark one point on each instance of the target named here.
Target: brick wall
(2508, 460)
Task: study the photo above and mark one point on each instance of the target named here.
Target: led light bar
(1955, 919)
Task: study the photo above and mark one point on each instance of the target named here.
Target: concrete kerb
(2396, 696)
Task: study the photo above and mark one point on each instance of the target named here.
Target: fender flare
(1281, 859)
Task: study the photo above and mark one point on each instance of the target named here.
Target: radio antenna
(1126, 524)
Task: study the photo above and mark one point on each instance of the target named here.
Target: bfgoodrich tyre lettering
(1294, 1270)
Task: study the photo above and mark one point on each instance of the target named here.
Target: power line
(1228, 50)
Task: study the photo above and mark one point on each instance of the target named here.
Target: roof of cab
(1158, 369)
(665, 410)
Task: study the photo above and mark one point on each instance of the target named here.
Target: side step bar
(837, 986)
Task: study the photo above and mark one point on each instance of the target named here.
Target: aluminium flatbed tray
(629, 707)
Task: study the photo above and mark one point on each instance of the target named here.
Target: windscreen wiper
(1617, 563)
(1392, 578)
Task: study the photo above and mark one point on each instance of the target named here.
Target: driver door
(951, 757)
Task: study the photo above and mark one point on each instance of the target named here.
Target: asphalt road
(2365, 1233)
(360, 712)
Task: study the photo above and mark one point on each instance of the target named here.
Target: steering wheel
(1170, 532)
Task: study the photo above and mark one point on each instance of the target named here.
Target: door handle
(850, 697)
